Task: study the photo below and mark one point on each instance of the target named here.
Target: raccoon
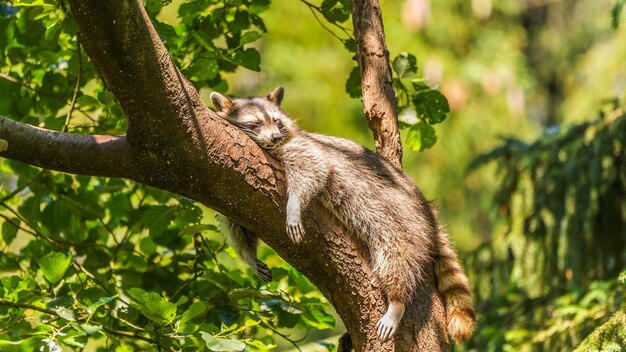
(375, 201)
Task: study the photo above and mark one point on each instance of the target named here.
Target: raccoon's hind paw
(263, 271)
(388, 324)
(295, 232)
(386, 328)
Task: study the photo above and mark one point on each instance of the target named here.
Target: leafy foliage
(212, 38)
(114, 272)
(562, 243)
(420, 106)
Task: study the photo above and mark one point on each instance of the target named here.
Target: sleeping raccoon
(374, 200)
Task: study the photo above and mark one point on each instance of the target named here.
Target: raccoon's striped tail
(454, 287)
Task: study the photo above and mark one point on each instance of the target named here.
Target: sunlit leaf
(221, 344)
(405, 65)
(421, 136)
(54, 265)
(249, 58)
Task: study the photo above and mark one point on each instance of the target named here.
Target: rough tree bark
(174, 142)
(379, 102)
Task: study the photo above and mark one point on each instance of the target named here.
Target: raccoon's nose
(276, 137)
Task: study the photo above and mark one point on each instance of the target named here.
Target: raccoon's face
(261, 118)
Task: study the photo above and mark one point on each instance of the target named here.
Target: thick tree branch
(176, 143)
(68, 152)
(376, 81)
(137, 68)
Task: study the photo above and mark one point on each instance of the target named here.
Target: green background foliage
(111, 265)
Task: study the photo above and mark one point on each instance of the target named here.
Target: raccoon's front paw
(295, 232)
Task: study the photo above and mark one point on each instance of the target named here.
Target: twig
(10, 221)
(197, 242)
(286, 337)
(27, 86)
(27, 306)
(208, 247)
(21, 188)
(313, 8)
(76, 88)
(51, 312)
(34, 231)
(129, 335)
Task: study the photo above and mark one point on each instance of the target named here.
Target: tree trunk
(174, 142)
(379, 100)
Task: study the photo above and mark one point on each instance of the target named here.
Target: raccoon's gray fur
(374, 200)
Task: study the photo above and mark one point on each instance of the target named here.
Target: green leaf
(65, 313)
(154, 6)
(296, 279)
(102, 301)
(53, 31)
(88, 101)
(336, 10)
(249, 58)
(4, 145)
(249, 37)
(353, 84)
(204, 68)
(405, 65)
(421, 136)
(9, 231)
(91, 329)
(407, 117)
(221, 344)
(318, 318)
(153, 306)
(147, 246)
(195, 309)
(54, 265)
(259, 344)
(105, 97)
(166, 32)
(157, 218)
(56, 216)
(431, 106)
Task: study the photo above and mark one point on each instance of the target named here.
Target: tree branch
(379, 101)
(136, 67)
(68, 152)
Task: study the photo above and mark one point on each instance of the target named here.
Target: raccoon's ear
(276, 95)
(221, 102)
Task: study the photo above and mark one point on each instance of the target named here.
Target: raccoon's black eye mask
(247, 125)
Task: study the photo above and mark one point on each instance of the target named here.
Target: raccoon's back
(369, 194)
